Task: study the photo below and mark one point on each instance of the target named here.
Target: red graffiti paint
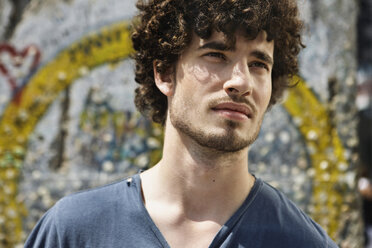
(31, 52)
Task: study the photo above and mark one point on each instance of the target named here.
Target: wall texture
(68, 122)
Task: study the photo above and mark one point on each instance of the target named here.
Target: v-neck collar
(221, 235)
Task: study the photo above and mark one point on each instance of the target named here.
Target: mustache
(233, 99)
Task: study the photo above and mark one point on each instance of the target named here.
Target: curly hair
(164, 29)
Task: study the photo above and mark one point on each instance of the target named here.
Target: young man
(208, 70)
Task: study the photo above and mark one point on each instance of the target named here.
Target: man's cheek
(199, 73)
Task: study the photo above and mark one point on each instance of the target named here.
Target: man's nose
(240, 81)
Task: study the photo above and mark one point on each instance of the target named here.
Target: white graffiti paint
(52, 27)
(5, 11)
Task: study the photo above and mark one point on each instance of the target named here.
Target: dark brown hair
(164, 29)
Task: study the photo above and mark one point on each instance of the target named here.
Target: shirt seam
(56, 224)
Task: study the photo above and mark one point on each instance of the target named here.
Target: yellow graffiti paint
(326, 153)
(113, 44)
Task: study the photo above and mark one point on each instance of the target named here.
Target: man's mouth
(234, 111)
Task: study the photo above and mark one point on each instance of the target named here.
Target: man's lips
(234, 110)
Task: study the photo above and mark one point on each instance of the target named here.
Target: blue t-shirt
(114, 216)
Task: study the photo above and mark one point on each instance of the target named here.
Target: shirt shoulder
(80, 216)
(92, 201)
(292, 219)
(273, 220)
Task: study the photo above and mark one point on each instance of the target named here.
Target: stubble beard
(229, 142)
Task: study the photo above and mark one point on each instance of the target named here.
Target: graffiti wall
(68, 122)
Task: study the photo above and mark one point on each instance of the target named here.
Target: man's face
(220, 94)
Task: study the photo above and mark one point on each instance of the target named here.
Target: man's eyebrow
(263, 56)
(217, 45)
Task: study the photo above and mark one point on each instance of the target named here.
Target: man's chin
(223, 143)
(227, 136)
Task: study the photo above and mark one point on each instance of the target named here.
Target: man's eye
(216, 55)
(259, 65)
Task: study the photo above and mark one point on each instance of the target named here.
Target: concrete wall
(68, 122)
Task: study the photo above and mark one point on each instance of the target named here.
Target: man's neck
(198, 180)
(193, 190)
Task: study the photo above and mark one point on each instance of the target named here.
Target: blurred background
(68, 122)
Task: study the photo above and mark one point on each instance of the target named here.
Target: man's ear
(164, 81)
